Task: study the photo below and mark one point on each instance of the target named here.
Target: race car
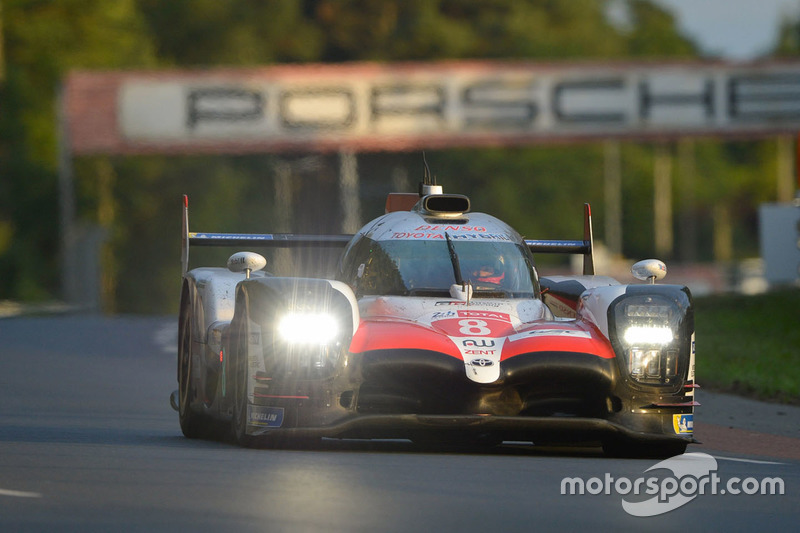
(436, 327)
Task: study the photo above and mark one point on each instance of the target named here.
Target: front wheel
(240, 369)
(193, 425)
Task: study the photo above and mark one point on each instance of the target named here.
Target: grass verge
(750, 345)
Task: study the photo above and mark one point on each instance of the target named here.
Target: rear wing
(584, 247)
(263, 240)
(292, 240)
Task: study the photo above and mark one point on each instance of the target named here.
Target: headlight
(648, 335)
(308, 328)
(658, 335)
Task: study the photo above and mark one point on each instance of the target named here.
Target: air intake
(445, 204)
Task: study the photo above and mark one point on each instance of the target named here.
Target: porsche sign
(406, 106)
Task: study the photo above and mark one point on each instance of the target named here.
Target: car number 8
(474, 327)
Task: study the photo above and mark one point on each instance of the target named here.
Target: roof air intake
(445, 204)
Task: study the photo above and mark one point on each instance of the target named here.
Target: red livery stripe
(389, 335)
(398, 335)
(587, 339)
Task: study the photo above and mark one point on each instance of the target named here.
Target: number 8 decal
(474, 327)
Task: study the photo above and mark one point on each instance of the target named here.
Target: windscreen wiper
(454, 260)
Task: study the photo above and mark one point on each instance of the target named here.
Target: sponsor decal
(416, 235)
(427, 235)
(427, 227)
(232, 236)
(479, 352)
(481, 355)
(483, 304)
(574, 333)
(262, 416)
(559, 307)
(683, 424)
(450, 103)
(485, 343)
(484, 314)
(481, 236)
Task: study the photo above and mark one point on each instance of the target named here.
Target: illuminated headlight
(637, 335)
(308, 328)
(648, 335)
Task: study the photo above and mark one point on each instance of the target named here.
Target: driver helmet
(490, 271)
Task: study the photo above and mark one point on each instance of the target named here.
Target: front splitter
(549, 429)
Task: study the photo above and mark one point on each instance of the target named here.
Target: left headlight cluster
(308, 328)
(648, 333)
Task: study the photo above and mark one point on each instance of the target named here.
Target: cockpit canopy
(425, 267)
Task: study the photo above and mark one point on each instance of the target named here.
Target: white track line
(740, 460)
(19, 493)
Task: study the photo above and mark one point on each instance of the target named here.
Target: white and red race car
(435, 328)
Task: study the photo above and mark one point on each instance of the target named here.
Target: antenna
(428, 184)
(426, 175)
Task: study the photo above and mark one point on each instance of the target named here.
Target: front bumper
(542, 397)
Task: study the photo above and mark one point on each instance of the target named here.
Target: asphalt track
(88, 442)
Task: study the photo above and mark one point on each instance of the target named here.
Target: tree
(135, 198)
(42, 41)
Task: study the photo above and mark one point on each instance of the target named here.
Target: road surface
(88, 442)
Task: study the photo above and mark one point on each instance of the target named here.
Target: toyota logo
(481, 362)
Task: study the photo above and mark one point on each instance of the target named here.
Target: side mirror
(650, 270)
(246, 262)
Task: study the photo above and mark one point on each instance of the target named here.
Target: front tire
(193, 425)
(239, 363)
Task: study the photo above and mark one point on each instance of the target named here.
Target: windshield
(425, 268)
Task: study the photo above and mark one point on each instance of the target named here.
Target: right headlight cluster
(648, 334)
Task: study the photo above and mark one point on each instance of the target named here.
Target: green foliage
(205, 32)
(539, 190)
(210, 32)
(146, 250)
(787, 44)
(529, 188)
(653, 33)
(42, 40)
(750, 344)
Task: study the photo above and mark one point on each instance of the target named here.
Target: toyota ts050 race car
(436, 328)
